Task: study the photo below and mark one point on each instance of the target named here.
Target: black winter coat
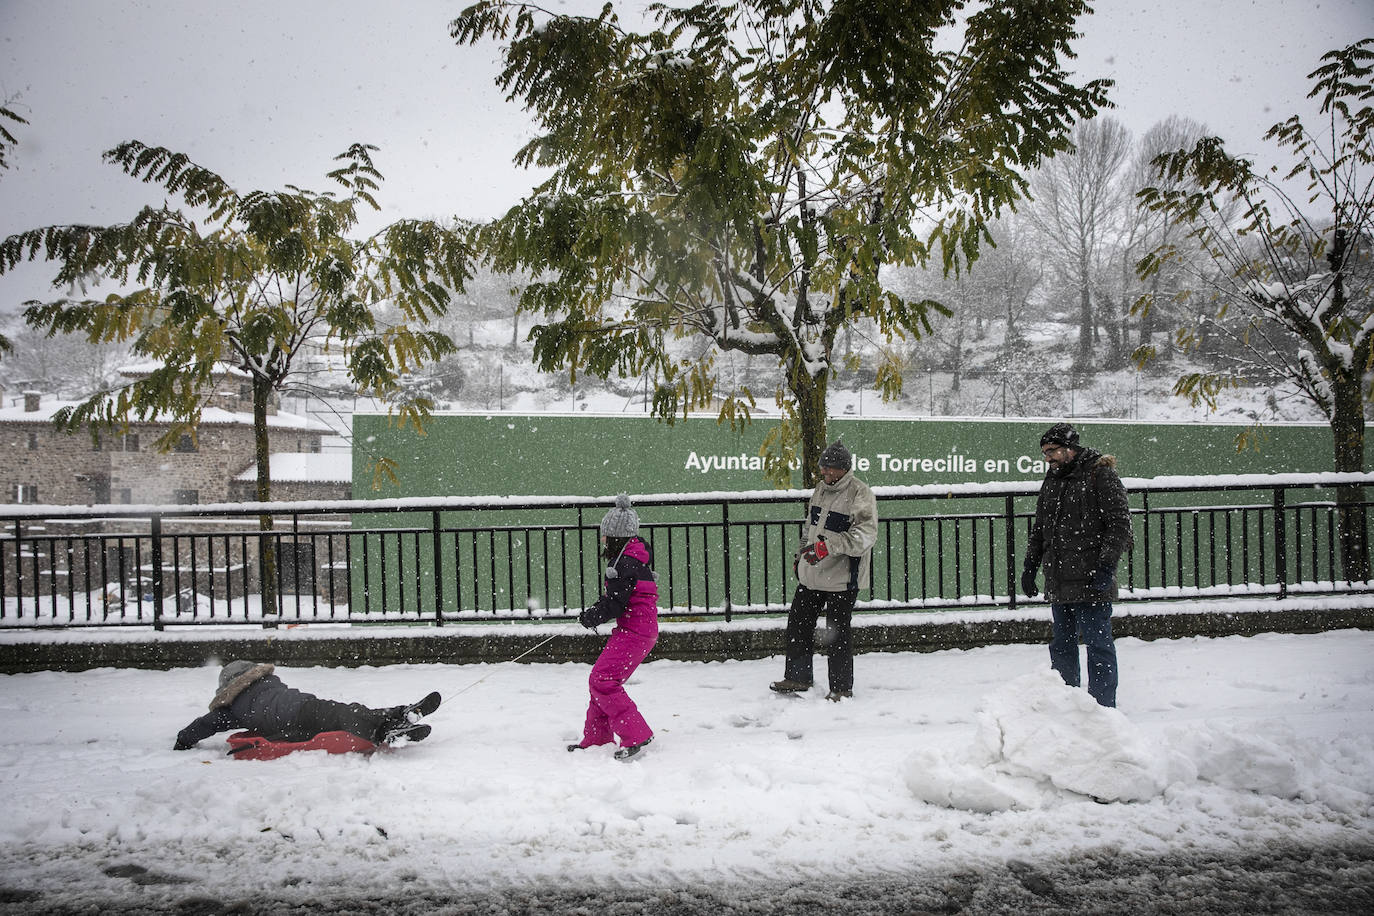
(266, 706)
(1082, 525)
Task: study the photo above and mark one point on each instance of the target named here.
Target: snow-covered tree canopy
(1299, 271)
(1303, 284)
(740, 173)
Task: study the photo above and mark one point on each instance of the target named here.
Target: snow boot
(634, 750)
(408, 730)
(835, 696)
(787, 686)
(415, 711)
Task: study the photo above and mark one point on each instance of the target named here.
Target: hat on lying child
(620, 522)
(235, 677)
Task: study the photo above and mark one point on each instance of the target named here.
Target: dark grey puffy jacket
(1082, 524)
(266, 706)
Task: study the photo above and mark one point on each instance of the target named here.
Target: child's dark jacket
(265, 706)
(631, 597)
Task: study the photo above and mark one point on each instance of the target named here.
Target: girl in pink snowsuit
(631, 599)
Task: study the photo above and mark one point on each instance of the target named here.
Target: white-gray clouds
(266, 92)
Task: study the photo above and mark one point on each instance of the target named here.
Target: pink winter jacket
(631, 597)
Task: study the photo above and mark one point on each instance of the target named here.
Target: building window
(33, 442)
(126, 496)
(186, 444)
(131, 442)
(186, 497)
(96, 444)
(24, 493)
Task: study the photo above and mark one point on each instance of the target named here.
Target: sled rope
(545, 641)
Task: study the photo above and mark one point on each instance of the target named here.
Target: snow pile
(1035, 736)
(1039, 744)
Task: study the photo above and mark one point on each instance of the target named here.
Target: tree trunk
(1083, 362)
(956, 356)
(810, 394)
(1347, 430)
(1116, 356)
(1013, 329)
(1147, 317)
(267, 545)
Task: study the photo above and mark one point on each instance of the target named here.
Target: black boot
(404, 729)
(425, 707)
(634, 750)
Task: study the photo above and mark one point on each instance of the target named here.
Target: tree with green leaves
(8, 140)
(249, 280)
(735, 177)
(7, 143)
(1292, 279)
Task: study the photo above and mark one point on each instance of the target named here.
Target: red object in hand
(821, 550)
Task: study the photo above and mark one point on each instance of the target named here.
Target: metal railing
(445, 560)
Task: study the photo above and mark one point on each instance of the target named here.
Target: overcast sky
(266, 93)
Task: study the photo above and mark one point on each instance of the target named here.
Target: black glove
(585, 619)
(182, 747)
(1102, 579)
(1028, 582)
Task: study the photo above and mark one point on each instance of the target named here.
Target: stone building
(101, 566)
(55, 468)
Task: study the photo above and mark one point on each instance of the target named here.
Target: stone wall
(531, 643)
(68, 469)
(63, 468)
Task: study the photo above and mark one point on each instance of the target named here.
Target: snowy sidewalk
(1239, 749)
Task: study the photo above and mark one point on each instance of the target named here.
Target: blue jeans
(1092, 623)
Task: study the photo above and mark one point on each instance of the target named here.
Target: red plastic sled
(251, 746)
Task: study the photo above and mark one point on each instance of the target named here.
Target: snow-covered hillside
(498, 374)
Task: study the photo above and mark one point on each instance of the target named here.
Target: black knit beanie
(1060, 434)
(837, 456)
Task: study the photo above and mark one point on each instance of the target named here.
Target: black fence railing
(448, 560)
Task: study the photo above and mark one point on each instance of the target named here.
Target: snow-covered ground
(946, 771)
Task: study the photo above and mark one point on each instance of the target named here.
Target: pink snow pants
(611, 712)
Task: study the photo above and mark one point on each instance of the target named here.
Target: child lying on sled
(251, 697)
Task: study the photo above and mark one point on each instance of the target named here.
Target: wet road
(1285, 879)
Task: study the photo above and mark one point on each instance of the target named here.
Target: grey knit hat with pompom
(620, 522)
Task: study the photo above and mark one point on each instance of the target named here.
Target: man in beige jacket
(832, 565)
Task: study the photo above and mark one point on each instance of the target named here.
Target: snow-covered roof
(306, 467)
(210, 416)
(137, 369)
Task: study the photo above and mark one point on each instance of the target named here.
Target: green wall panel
(597, 456)
(495, 455)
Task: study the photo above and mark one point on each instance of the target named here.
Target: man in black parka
(1082, 527)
